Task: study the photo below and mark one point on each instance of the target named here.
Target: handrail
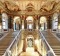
(3, 36)
(56, 36)
(48, 44)
(14, 40)
(12, 43)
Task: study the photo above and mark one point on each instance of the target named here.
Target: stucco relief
(39, 6)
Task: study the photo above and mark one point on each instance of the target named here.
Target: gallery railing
(14, 42)
(50, 51)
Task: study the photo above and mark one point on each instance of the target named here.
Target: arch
(29, 18)
(5, 21)
(16, 23)
(30, 42)
(4, 15)
(43, 23)
(16, 18)
(30, 36)
(42, 19)
(55, 21)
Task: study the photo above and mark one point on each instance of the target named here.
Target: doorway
(29, 22)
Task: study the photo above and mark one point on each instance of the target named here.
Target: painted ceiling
(30, 6)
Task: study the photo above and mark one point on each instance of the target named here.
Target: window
(5, 21)
(55, 22)
(4, 24)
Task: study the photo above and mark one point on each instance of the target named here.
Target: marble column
(59, 21)
(14, 26)
(22, 24)
(49, 23)
(36, 22)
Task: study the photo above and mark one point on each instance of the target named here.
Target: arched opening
(30, 43)
(16, 23)
(4, 21)
(29, 22)
(43, 23)
(55, 22)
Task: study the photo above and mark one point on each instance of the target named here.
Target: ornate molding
(46, 7)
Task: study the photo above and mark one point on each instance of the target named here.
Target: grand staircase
(52, 41)
(56, 50)
(5, 42)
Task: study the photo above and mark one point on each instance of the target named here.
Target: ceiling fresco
(30, 6)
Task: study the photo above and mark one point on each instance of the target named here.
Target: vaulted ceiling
(30, 6)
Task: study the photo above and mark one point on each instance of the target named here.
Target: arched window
(55, 21)
(16, 23)
(29, 22)
(43, 23)
(29, 18)
(5, 21)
